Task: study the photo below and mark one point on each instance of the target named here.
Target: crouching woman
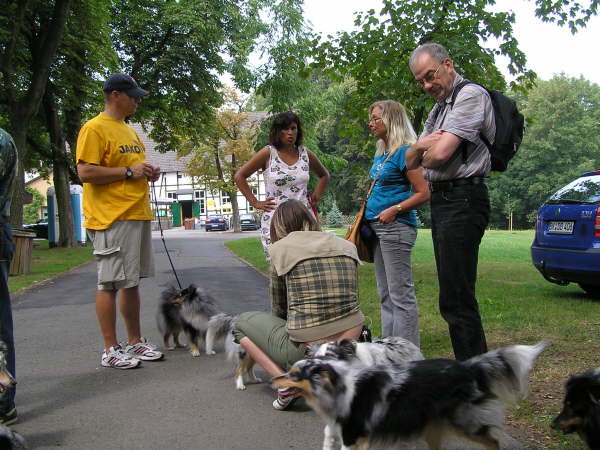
(313, 295)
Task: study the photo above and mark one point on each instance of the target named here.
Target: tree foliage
(227, 145)
(560, 143)
(31, 211)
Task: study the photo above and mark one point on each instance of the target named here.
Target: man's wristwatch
(128, 173)
(399, 207)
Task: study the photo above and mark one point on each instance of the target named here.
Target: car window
(246, 216)
(582, 190)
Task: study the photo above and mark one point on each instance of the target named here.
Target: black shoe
(9, 418)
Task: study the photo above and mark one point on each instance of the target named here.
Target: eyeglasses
(374, 119)
(429, 76)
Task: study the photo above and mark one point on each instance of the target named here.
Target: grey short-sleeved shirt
(471, 114)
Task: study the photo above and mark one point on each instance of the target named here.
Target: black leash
(162, 236)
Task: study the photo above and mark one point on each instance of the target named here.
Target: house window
(172, 195)
(202, 206)
(179, 175)
(225, 197)
(198, 195)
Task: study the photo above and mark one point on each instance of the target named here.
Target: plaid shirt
(315, 292)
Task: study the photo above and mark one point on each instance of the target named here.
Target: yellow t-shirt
(112, 143)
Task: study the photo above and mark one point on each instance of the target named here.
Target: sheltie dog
(6, 378)
(220, 328)
(194, 312)
(380, 407)
(389, 350)
(581, 408)
(187, 310)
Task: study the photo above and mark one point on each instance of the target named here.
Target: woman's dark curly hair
(281, 122)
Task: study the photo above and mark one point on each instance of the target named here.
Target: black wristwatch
(128, 173)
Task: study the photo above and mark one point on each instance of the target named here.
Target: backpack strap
(463, 145)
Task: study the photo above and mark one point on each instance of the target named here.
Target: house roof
(169, 161)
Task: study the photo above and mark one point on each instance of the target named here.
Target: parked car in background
(566, 248)
(218, 223)
(249, 222)
(40, 228)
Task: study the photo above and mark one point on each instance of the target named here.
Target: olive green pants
(268, 332)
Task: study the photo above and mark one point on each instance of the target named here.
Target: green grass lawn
(47, 262)
(517, 305)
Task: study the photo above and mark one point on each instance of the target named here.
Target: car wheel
(591, 290)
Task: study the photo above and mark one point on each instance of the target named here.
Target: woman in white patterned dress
(286, 169)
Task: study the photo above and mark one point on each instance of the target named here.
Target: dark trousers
(458, 220)
(7, 401)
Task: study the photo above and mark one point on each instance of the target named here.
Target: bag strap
(377, 177)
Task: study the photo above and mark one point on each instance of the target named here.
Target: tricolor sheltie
(187, 310)
(195, 313)
(389, 350)
(581, 408)
(382, 406)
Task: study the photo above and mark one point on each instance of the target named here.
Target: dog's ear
(348, 347)
(312, 349)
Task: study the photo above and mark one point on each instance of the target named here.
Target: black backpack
(510, 125)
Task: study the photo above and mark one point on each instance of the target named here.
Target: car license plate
(245, 221)
(561, 227)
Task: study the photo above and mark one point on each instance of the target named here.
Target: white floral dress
(283, 182)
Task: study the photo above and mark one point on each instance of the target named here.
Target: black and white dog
(581, 408)
(380, 407)
(389, 350)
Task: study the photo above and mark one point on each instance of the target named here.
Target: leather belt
(445, 186)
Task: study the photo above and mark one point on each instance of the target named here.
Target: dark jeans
(7, 401)
(458, 220)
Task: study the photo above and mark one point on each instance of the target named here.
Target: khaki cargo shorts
(123, 253)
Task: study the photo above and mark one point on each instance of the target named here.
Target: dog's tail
(507, 369)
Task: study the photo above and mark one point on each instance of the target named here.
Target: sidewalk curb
(15, 295)
(244, 261)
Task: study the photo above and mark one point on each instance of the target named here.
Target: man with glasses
(111, 163)
(456, 163)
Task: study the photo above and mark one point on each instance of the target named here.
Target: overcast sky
(549, 48)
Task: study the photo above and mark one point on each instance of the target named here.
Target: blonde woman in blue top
(391, 214)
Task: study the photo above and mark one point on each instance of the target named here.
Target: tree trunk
(60, 167)
(236, 212)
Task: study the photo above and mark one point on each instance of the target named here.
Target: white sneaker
(144, 350)
(115, 357)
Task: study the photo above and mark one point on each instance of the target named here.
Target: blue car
(218, 223)
(566, 248)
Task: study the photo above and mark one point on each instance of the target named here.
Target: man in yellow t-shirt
(111, 163)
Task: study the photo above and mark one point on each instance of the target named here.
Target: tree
(376, 56)
(334, 216)
(560, 144)
(223, 149)
(32, 31)
(31, 211)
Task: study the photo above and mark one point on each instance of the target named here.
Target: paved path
(66, 399)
